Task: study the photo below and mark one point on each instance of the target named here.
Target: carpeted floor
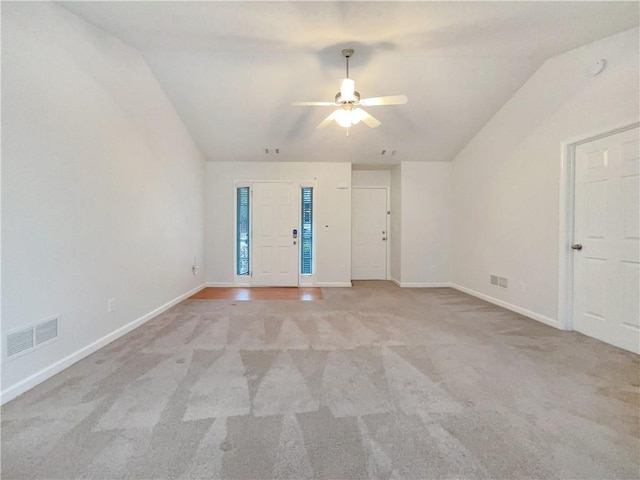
(372, 382)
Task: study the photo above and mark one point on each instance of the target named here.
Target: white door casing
(369, 233)
(275, 252)
(606, 226)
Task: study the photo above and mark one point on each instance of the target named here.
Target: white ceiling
(232, 68)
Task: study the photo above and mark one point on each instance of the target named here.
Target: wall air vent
(46, 331)
(31, 337)
(19, 341)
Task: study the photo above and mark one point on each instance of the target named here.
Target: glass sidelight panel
(306, 242)
(242, 231)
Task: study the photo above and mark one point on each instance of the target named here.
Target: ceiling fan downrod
(347, 52)
(347, 94)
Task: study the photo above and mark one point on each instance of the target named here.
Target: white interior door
(369, 234)
(606, 268)
(275, 251)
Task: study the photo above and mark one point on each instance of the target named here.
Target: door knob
(577, 246)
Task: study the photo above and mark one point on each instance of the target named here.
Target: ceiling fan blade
(368, 120)
(327, 120)
(314, 104)
(390, 100)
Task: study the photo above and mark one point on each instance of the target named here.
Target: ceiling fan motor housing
(354, 101)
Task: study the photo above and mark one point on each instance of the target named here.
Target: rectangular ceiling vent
(32, 336)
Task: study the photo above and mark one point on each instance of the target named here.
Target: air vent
(46, 331)
(19, 341)
(32, 337)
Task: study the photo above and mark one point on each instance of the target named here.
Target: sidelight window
(306, 241)
(242, 231)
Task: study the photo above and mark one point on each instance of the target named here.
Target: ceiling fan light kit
(348, 100)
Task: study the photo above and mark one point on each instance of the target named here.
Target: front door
(369, 233)
(275, 250)
(606, 240)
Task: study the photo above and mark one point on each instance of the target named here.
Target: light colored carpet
(373, 382)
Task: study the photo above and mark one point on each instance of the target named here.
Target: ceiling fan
(349, 102)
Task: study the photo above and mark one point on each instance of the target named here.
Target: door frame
(247, 280)
(567, 216)
(389, 239)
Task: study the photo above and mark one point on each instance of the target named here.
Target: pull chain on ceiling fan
(349, 102)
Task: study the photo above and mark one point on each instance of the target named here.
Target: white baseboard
(509, 306)
(421, 284)
(318, 284)
(333, 284)
(28, 383)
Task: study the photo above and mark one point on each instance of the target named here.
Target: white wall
(102, 188)
(426, 223)
(371, 178)
(332, 211)
(507, 179)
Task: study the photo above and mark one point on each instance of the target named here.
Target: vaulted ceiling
(232, 69)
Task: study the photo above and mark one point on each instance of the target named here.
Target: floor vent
(31, 337)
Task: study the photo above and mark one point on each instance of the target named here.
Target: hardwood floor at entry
(259, 293)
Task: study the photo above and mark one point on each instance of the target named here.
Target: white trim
(306, 280)
(333, 284)
(424, 285)
(567, 187)
(28, 383)
(421, 284)
(224, 284)
(509, 306)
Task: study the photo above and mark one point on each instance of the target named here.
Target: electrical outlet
(111, 305)
(504, 282)
(195, 267)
